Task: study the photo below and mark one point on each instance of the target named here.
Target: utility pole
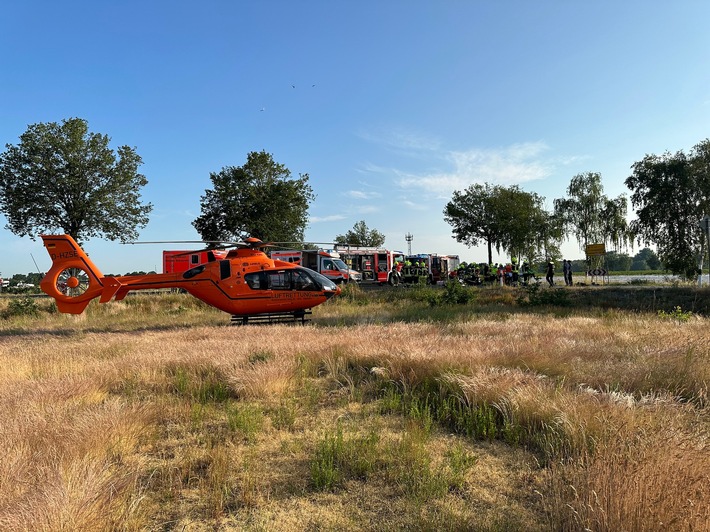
(409, 237)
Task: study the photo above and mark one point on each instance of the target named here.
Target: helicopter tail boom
(74, 280)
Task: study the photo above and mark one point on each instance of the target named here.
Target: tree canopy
(590, 215)
(671, 193)
(259, 199)
(360, 235)
(506, 218)
(63, 177)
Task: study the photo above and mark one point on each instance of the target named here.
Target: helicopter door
(225, 269)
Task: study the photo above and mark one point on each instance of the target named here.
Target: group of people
(408, 269)
(510, 274)
(566, 272)
(504, 274)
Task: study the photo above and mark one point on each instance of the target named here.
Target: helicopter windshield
(321, 280)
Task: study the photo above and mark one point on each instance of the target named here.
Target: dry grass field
(395, 412)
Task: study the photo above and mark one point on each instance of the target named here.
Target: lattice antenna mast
(409, 237)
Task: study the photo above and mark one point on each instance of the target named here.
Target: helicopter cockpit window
(303, 281)
(256, 281)
(280, 280)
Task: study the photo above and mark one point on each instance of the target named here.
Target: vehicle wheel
(393, 280)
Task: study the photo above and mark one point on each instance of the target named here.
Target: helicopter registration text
(64, 255)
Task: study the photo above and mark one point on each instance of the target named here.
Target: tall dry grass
(68, 455)
(132, 423)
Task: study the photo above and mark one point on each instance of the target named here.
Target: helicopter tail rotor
(74, 280)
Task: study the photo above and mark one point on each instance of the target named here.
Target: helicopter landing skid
(272, 317)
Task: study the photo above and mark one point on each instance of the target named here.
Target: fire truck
(325, 262)
(176, 261)
(437, 268)
(374, 264)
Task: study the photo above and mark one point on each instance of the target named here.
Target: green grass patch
(337, 458)
(202, 384)
(245, 420)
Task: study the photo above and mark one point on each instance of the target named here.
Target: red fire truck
(437, 268)
(374, 264)
(325, 262)
(176, 261)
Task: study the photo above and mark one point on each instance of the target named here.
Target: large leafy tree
(361, 235)
(671, 193)
(528, 230)
(590, 215)
(506, 218)
(259, 199)
(63, 177)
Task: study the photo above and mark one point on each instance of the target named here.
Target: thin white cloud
(441, 185)
(401, 139)
(362, 195)
(415, 206)
(369, 168)
(331, 218)
(512, 165)
(365, 209)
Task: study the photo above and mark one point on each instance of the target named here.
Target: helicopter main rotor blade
(225, 242)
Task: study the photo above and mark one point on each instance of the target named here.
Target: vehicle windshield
(340, 264)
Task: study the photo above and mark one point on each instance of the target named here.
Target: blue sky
(396, 103)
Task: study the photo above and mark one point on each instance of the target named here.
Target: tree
(671, 193)
(360, 235)
(62, 177)
(619, 262)
(506, 218)
(590, 216)
(471, 214)
(528, 230)
(648, 258)
(258, 199)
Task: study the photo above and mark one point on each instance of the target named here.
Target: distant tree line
(645, 260)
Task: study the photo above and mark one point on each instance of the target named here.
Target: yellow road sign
(595, 249)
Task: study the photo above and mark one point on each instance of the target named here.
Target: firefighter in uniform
(550, 277)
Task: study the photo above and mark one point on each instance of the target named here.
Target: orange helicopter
(243, 282)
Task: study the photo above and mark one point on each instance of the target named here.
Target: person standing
(525, 270)
(550, 277)
(567, 271)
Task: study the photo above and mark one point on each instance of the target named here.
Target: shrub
(534, 295)
(25, 306)
(353, 293)
(454, 293)
(677, 314)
